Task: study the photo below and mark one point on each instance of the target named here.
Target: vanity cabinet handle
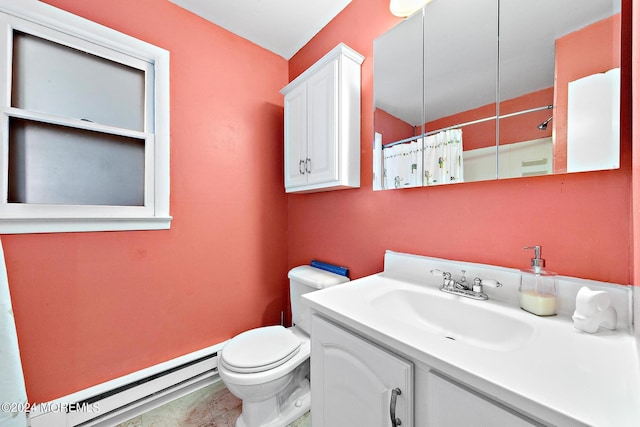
(395, 422)
(300, 168)
(307, 165)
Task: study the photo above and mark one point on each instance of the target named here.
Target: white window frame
(50, 23)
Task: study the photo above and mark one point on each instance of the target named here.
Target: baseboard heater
(127, 397)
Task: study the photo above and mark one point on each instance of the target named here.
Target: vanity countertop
(558, 373)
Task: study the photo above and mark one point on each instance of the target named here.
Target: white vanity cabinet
(356, 383)
(353, 383)
(452, 404)
(322, 124)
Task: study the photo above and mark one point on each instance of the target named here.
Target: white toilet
(268, 368)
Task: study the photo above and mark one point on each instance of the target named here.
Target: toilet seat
(260, 349)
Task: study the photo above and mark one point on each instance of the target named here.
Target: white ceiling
(281, 26)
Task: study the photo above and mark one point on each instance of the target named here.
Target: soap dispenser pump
(538, 287)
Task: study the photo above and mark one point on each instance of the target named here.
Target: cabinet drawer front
(447, 398)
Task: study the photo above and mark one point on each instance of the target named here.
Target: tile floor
(211, 406)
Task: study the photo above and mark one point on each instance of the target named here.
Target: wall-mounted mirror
(399, 111)
(544, 99)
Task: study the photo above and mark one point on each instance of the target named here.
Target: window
(84, 131)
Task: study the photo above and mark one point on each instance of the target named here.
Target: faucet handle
(441, 273)
(491, 283)
(478, 283)
(447, 282)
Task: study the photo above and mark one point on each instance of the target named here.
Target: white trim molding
(48, 22)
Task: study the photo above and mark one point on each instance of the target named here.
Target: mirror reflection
(398, 112)
(451, 104)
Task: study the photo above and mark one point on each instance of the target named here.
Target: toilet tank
(305, 279)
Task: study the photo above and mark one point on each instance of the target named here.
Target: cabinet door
(322, 122)
(352, 380)
(453, 405)
(295, 137)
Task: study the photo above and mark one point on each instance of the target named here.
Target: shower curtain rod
(459, 125)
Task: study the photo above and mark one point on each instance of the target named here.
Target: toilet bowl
(268, 368)
(276, 391)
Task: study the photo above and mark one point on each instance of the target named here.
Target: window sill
(62, 225)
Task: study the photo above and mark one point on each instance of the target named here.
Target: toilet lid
(260, 349)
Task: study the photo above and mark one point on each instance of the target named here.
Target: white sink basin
(453, 317)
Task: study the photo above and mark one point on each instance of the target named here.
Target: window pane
(51, 78)
(61, 165)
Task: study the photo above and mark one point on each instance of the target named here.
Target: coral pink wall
(512, 129)
(524, 127)
(90, 307)
(581, 220)
(392, 128)
(636, 151)
(636, 171)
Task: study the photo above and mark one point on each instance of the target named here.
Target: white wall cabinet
(356, 383)
(322, 124)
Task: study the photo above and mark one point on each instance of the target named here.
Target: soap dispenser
(538, 287)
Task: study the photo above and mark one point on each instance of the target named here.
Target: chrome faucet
(462, 288)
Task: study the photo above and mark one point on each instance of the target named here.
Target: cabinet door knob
(395, 422)
(300, 168)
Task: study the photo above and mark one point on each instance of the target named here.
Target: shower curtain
(13, 395)
(443, 158)
(403, 165)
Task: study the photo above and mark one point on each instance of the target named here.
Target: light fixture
(403, 8)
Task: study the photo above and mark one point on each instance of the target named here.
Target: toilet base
(295, 406)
